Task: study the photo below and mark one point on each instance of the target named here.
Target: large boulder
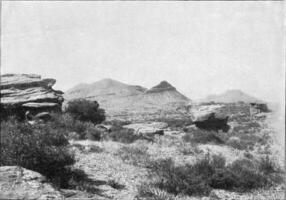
(28, 92)
(21, 183)
(202, 113)
(211, 117)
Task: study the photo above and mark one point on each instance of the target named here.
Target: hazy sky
(199, 47)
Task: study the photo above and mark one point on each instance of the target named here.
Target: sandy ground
(107, 165)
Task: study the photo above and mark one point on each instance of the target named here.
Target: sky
(201, 48)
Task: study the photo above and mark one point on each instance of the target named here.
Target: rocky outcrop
(21, 183)
(28, 92)
(202, 113)
(256, 108)
(211, 117)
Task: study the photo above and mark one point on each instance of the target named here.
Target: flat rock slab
(155, 125)
(21, 96)
(148, 128)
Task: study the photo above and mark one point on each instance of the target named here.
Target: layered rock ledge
(28, 92)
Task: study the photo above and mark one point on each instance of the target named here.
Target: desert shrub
(41, 148)
(252, 124)
(85, 110)
(75, 128)
(247, 175)
(187, 150)
(187, 137)
(67, 123)
(122, 135)
(203, 137)
(93, 133)
(149, 192)
(267, 166)
(135, 155)
(181, 179)
(235, 143)
(247, 140)
(212, 172)
(222, 179)
(249, 126)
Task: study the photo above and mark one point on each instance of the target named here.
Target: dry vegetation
(118, 164)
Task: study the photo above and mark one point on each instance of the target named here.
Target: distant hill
(104, 88)
(117, 97)
(231, 96)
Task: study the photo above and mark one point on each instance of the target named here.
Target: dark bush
(93, 133)
(80, 129)
(181, 179)
(247, 175)
(212, 172)
(42, 148)
(267, 166)
(85, 110)
(223, 179)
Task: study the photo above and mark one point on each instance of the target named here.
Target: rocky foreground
(20, 183)
(118, 170)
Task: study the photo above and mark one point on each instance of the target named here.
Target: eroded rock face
(21, 183)
(28, 92)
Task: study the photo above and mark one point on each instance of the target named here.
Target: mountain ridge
(231, 96)
(117, 97)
